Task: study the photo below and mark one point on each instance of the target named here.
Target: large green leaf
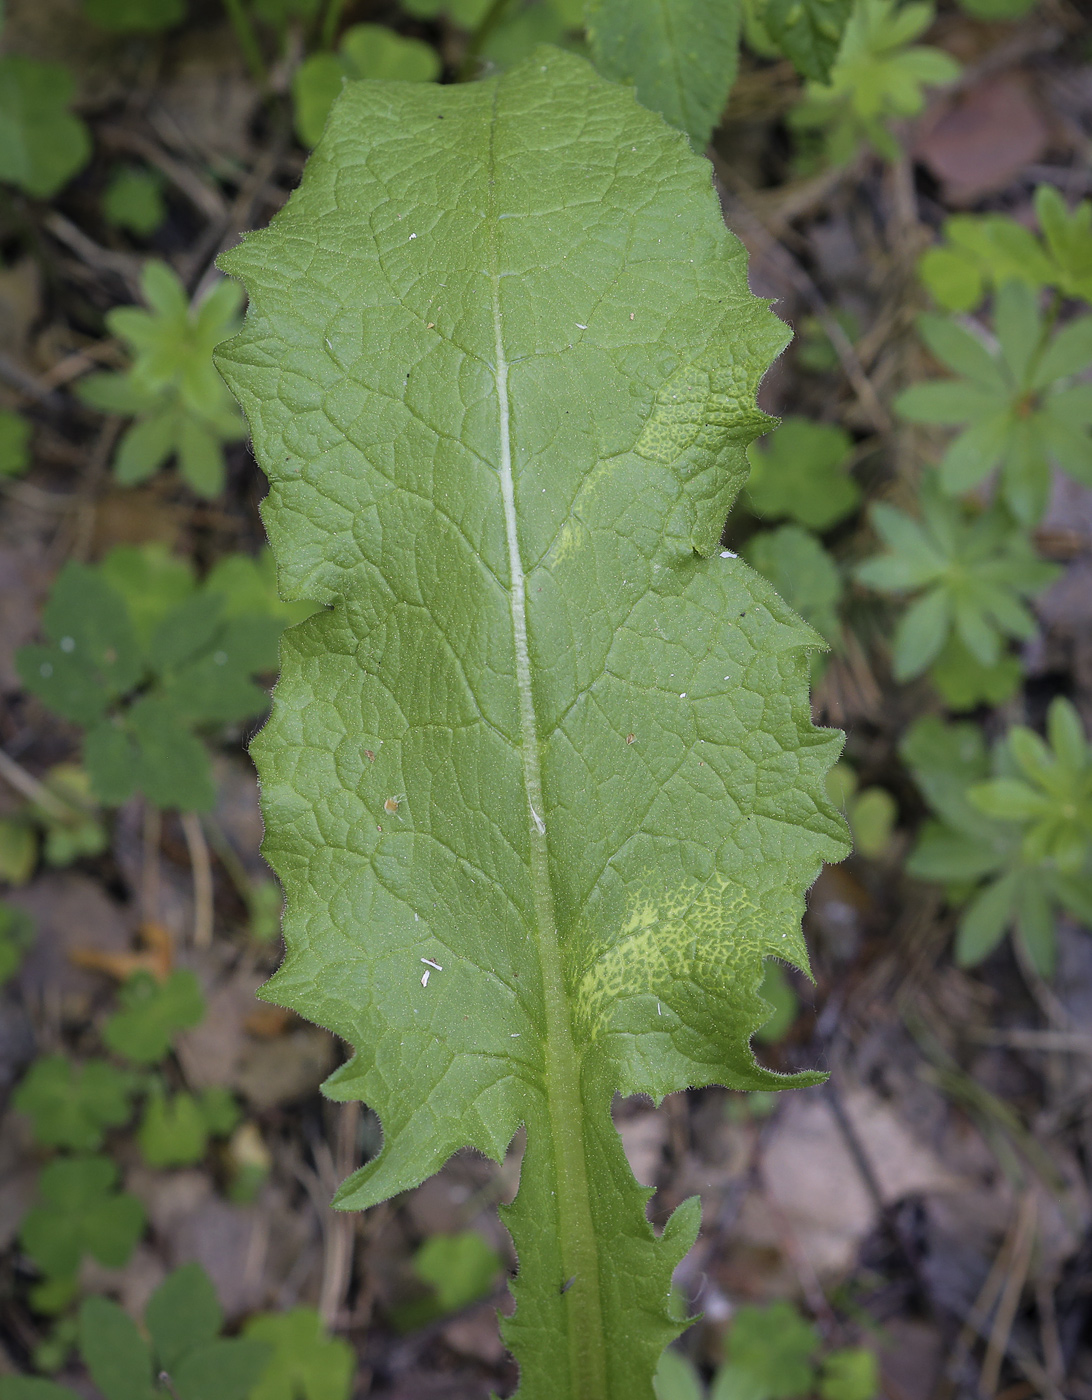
(681, 55)
(541, 781)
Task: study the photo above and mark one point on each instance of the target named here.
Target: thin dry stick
(975, 1321)
(338, 1228)
(149, 870)
(203, 194)
(1070, 1042)
(100, 259)
(1047, 1001)
(201, 866)
(17, 777)
(996, 1348)
(1053, 1354)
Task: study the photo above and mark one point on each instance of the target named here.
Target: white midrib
(579, 1255)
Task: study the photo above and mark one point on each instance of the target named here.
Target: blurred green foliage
(1019, 397)
(968, 571)
(141, 655)
(799, 471)
(878, 75)
(173, 391)
(1012, 834)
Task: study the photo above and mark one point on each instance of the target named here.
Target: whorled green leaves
(541, 781)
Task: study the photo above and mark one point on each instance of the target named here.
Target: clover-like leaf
(42, 145)
(182, 1314)
(535, 845)
(305, 1362)
(94, 655)
(71, 1105)
(681, 57)
(118, 1357)
(799, 471)
(461, 1268)
(151, 1014)
(773, 1347)
(803, 572)
(142, 655)
(365, 51)
(1022, 409)
(968, 573)
(81, 1213)
(133, 200)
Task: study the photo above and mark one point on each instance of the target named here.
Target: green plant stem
(576, 1225)
(330, 20)
(477, 41)
(248, 41)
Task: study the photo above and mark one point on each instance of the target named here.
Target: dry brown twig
(1023, 1242)
(201, 865)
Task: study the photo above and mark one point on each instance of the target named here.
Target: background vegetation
(912, 186)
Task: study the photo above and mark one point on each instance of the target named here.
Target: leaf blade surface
(541, 783)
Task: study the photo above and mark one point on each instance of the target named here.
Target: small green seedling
(1018, 398)
(1012, 839)
(81, 1212)
(803, 572)
(176, 1128)
(72, 1105)
(152, 1013)
(141, 656)
(771, 1355)
(871, 811)
(42, 145)
(135, 16)
(180, 1351)
(14, 443)
(365, 51)
(305, 1362)
(16, 936)
(799, 471)
(133, 200)
(968, 572)
(879, 75)
(984, 251)
(460, 1268)
(172, 390)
